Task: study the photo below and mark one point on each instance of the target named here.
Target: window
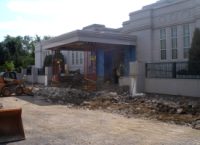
(163, 44)
(186, 40)
(76, 57)
(81, 57)
(174, 42)
(73, 61)
(174, 53)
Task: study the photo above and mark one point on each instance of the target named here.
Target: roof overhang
(78, 37)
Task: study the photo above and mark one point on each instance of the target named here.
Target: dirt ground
(47, 124)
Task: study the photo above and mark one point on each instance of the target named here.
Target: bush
(9, 66)
(18, 70)
(48, 60)
(2, 68)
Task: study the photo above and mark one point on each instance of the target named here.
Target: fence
(178, 70)
(41, 71)
(29, 71)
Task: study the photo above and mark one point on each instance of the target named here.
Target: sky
(55, 17)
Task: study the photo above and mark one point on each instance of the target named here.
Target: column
(100, 64)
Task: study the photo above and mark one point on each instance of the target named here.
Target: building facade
(163, 32)
(166, 27)
(74, 59)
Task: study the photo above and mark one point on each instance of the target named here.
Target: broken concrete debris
(176, 109)
(196, 124)
(1, 105)
(62, 95)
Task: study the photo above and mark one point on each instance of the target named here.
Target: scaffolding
(102, 62)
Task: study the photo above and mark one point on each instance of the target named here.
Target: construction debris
(174, 109)
(62, 95)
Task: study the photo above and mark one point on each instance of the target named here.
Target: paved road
(47, 124)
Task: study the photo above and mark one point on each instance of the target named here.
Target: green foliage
(46, 37)
(9, 66)
(2, 68)
(194, 54)
(26, 61)
(48, 60)
(19, 50)
(2, 54)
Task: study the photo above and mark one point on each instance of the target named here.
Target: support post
(100, 64)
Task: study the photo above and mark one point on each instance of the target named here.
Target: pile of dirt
(173, 109)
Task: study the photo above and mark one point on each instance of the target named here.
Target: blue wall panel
(100, 62)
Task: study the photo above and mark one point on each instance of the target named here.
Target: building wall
(76, 62)
(38, 56)
(146, 25)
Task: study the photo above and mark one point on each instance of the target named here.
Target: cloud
(54, 17)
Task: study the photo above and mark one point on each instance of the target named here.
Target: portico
(104, 52)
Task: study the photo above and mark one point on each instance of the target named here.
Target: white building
(166, 27)
(163, 32)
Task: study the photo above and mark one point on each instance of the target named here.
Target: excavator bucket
(11, 127)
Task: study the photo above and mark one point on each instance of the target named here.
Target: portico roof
(81, 38)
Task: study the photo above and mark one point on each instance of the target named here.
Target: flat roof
(79, 37)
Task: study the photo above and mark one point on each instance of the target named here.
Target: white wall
(184, 87)
(146, 24)
(41, 79)
(38, 56)
(144, 42)
(29, 78)
(76, 65)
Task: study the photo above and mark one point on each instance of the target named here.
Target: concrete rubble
(62, 95)
(173, 109)
(1, 105)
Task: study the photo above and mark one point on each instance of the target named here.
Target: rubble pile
(174, 109)
(62, 95)
(169, 104)
(1, 105)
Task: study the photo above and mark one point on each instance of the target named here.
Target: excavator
(11, 126)
(9, 84)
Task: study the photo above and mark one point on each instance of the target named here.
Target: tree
(194, 53)
(2, 54)
(14, 46)
(46, 37)
(48, 60)
(9, 66)
(20, 50)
